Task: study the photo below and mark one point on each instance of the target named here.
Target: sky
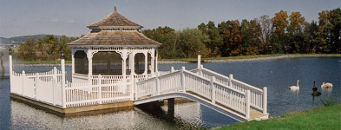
(70, 17)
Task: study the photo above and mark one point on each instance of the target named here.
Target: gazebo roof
(115, 21)
(115, 38)
(115, 31)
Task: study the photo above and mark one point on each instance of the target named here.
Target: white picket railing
(55, 88)
(44, 86)
(191, 83)
(258, 97)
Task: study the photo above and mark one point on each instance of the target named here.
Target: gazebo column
(124, 70)
(156, 58)
(89, 55)
(145, 62)
(152, 62)
(131, 63)
(73, 61)
(124, 62)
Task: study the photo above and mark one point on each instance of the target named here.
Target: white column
(124, 73)
(145, 62)
(156, 58)
(132, 63)
(124, 62)
(152, 62)
(73, 61)
(89, 55)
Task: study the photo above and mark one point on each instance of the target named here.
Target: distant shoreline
(210, 60)
(223, 59)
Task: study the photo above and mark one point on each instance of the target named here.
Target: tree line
(47, 48)
(281, 34)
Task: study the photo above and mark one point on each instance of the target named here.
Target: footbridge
(226, 95)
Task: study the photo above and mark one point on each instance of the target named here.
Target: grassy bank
(204, 59)
(43, 62)
(246, 57)
(328, 118)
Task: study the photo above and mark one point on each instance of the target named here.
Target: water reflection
(186, 116)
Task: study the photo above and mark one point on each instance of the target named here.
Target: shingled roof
(115, 30)
(115, 21)
(115, 38)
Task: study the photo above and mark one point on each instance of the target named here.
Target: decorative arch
(81, 62)
(139, 59)
(107, 63)
(149, 65)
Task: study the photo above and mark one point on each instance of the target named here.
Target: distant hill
(20, 39)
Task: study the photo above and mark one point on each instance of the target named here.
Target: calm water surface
(277, 75)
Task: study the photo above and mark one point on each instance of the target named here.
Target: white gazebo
(115, 49)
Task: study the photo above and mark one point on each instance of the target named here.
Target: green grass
(43, 62)
(242, 57)
(327, 118)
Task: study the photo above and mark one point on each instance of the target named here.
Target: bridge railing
(185, 81)
(258, 97)
(158, 85)
(217, 92)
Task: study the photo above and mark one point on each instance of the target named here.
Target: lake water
(277, 75)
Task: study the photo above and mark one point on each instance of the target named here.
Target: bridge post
(265, 100)
(10, 67)
(183, 79)
(172, 69)
(247, 101)
(230, 80)
(213, 89)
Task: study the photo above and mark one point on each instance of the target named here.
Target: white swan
(326, 85)
(295, 87)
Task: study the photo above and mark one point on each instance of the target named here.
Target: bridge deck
(254, 114)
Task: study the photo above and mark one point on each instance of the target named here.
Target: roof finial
(115, 8)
